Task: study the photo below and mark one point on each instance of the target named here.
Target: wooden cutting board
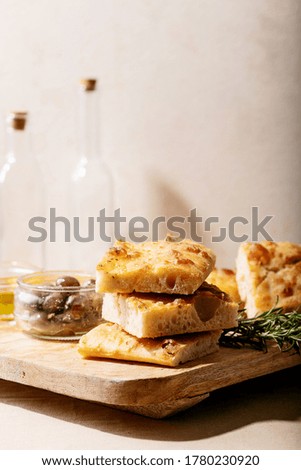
(149, 390)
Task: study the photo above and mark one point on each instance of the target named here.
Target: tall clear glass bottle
(21, 196)
(91, 195)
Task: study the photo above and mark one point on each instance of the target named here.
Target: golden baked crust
(108, 340)
(267, 272)
(225, 279)
(155, 315)
(165, 267)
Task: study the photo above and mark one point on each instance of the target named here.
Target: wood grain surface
(145, 389)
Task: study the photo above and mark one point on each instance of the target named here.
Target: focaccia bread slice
(155, 315)
(108, 340)
(267, 272)
(165, 267)
(225, 280)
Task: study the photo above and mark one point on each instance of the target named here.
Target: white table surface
(264, 413)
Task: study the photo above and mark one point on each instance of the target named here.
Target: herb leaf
(273, 325)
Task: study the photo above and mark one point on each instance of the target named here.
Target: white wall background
(201, 100)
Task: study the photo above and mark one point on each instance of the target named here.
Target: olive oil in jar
(7, 300)
(9, 274)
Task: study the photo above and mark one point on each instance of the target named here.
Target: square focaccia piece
(155, 315)
(108, 340)
(164, 267)
(268, 275)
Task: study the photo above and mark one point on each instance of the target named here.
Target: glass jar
(60, 305)
(9, 273)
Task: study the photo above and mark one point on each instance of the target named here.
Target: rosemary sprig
(273, 325)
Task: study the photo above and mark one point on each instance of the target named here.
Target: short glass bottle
(21, 196)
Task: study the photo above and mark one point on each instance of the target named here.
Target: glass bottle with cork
(91, 186)
(21, 199)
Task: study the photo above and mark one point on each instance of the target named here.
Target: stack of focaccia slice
(157, 306)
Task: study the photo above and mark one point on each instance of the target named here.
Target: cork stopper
(17, 120)
(88, 84)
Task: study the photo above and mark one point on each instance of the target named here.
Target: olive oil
(6, 304)
(9, 274)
